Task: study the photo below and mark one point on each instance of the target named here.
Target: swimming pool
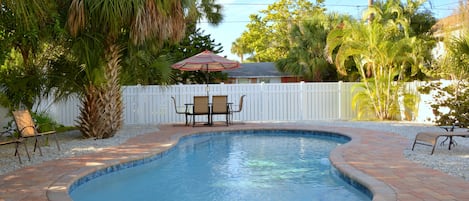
(234, 165)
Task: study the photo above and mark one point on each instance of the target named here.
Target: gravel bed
(454, 162)
(71, 144)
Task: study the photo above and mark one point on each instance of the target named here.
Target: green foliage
(267, 36)
(31, 38)
(27, 25)
(65, 77)
(455, 64)
(410, 102)
(420, 27)
(24, 86)
(44, 122)
(372, 102)
(51, 61)
(145, 62)
(450, 103)
(360, 102)
(20, 86)
(194, 43)
(381, 50)
(148, 65)
(307, 57)
(239, 48)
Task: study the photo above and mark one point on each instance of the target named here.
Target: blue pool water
(239, 165)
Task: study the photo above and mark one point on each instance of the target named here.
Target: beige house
(450, 26)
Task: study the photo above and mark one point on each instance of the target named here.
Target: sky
(236, 16)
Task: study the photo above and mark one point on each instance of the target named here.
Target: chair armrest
(47, 132)
(189, 108)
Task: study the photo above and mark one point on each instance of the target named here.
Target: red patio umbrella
(206, 61)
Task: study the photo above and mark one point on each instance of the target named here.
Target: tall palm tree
(102, 28)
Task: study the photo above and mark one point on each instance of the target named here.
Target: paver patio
(373, 158)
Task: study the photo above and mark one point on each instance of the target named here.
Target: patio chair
(431, 138)
(27, 129)
(220, 107)
(200, 107)
(14, 140)
(182, 110)
(238, 109)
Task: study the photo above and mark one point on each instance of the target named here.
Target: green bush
(451, 103)
(44, 122)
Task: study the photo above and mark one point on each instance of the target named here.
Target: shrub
(451, 102)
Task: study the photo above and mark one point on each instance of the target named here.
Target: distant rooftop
(252, 70)
(450, 23)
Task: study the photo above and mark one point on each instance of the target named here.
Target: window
(264, 80)
(243, 81)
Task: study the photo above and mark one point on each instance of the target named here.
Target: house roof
(450, 23)
(262, 69)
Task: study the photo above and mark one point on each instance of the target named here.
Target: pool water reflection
(235, 165)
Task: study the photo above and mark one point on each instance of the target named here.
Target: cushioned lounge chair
(27, 128)
(220, 107)
(431, 138)
(182, 110)
(200, 107)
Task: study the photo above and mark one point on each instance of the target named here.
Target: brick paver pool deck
(374, 159)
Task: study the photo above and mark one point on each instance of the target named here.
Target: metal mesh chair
(238, 109)
(200, 107)
(27, 128)
(220, 107)
(182, 110)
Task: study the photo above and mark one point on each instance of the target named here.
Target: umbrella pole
(206, 75)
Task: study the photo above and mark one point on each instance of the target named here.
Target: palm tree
(102, 29)
(238, 48)
(380, 49)
(307, 57)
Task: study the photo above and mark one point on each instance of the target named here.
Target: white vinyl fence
(263, 102)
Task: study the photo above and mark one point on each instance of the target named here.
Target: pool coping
(389, 177)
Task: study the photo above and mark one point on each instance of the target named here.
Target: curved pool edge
(60, 188)
(380, 190)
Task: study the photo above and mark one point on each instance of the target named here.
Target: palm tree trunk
(102, 108)
(112, 95)
(370, 18)
(89, 121)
